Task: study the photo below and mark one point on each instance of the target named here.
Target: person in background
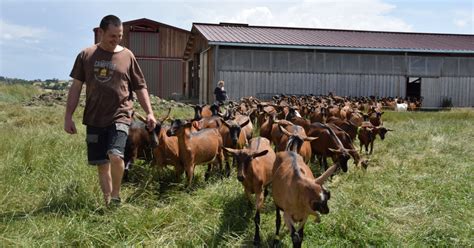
(110, 73)
(220, 93)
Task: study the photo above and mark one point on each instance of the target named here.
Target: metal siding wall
(163, 77)
(471, 94)
(459, 89)
(342, 74)
(151, 73)
(172, 78)
(240, 84)
(432, 97)
(144, 44)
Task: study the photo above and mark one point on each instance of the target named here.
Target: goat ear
(259, 154)
(245, 123)
(230, 150)
(196, 125)
(310, 138)
(390, 129)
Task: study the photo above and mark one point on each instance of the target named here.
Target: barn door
(413, 87)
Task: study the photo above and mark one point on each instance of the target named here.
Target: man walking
(110, 73)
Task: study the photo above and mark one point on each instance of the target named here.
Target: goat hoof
(256, 242)
(276, 243)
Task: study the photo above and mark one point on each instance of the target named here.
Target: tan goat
(203, 146)
(297, 193)
(255, 168)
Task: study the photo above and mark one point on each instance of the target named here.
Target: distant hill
(53, 84)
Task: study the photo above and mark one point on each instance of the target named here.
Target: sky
(40, 39)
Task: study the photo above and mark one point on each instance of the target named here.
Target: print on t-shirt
(103, 70)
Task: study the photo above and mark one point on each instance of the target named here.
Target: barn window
(242, 60)
(297, 61)
(319, 59)
(280, 61)
(350, 63)
(398, 65)
(225, 59)
(384, 64)
(261, 60)
(332, 62)
(450, 67)
(368, 63)
(417, 65)
(433, 66)
(466, 67)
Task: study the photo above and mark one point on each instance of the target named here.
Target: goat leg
(227, 168)
(276, 240)
(256, 239)
(295, 237)
(208, 172)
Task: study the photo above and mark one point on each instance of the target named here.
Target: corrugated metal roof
(245, 35)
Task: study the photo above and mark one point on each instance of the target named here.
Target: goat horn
(321, 179)
(140, 117)
(284, 130)
(167, 116)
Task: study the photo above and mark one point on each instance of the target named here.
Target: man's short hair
(110, 19)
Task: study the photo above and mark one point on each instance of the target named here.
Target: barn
(263, 61)
(159, 50)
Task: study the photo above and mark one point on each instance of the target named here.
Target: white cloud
(463, 18)
(13, 32)
(257, 15)
(348, 14)
(461, 23)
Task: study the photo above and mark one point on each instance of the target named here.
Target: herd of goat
(293, 132)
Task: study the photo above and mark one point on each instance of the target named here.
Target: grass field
(417, 190)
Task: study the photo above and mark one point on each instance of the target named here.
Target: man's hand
(150, 122)
(69, 126)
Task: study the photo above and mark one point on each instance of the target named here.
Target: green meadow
(417, 190)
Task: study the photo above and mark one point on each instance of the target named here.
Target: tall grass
(417, 191)
(16, 93)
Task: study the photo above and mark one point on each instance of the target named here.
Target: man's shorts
(102, 141)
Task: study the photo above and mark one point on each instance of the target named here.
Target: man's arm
(144, 100)
(72, 100)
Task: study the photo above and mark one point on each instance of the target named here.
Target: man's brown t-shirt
(109, 78)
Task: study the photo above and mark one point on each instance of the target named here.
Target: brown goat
(247, 129)
(167, 150)
(276, 134)
(328, 144)
(367, 135)
(295, 139)
(347, 142)
(375, 116)
(349, 127)
(204, 146)
(297, 193)
(233, 137)
(140, 141)
(255, 168)
(267, 124)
